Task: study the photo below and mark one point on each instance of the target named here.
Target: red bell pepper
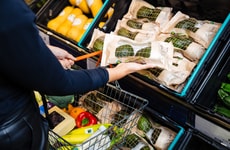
(85, 119)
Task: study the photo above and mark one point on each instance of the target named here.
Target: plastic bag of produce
(201, 31)
(158, 135)
(97, 40)
(140, 24)
(186, 45)
(135, 34)
(135, 142)
(140, 9)
(120, 49)
(174, 78)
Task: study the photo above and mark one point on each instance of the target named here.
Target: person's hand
(124, 69)
(65, 58)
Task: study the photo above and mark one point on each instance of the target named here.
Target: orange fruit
(76, 111)
(69, 108)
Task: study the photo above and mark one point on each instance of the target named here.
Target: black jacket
(26, 64)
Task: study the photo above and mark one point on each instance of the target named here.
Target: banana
(76, 138)
(79, 135)
(88, 129)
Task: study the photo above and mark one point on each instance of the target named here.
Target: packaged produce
(135, 34)
(57, 21)
(88, 129)
(76, 28)
(67, 24)
(61, 101)
(97, 40)
(202, 31)
(184, 44)
(120, 49)
(95, 6)
(140, 9)
(140, 24)
(135, 142)
(107, 113)
(82, 4)
(156, 135)
(80, 135)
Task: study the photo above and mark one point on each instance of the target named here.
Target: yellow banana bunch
(76, 138)
(79, 135)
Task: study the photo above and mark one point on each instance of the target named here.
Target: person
(27, 64)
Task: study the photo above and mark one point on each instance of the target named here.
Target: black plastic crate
(206, 97)
(36, 5)
(217, 11)
(53, 8)
(212, 131)
(168, 123)
(196, 140)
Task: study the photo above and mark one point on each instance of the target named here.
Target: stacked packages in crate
(173, 41)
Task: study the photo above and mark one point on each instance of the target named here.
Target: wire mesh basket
(111, 105)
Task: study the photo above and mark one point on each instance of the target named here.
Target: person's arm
(28, 63)
(123, 69)
(65, 58)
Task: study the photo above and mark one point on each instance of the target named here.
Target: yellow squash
(95, 6)
(66, 25)
(57, 21)
(76, 27)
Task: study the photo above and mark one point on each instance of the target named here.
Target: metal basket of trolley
(115, 108)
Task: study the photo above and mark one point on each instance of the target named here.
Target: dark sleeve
(27, 61)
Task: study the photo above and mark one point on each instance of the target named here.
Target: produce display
(155, 134)
(73, 21)
(223, 105)
(173, 41)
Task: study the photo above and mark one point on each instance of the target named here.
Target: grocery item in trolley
(116, 111)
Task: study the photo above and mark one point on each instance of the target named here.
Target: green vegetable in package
(149, 13)
(144, 52)
(156, 71)
(144, 124)
(132, 140)
(98, 44)
(124, 51)
(225, 87)
(188, 24)
(126, 33)
(61, 101)
(224, 93)
(134, 24)
(224, 97)
(222, 110)
(179, 42)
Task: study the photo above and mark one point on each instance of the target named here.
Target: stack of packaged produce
(173, 42)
